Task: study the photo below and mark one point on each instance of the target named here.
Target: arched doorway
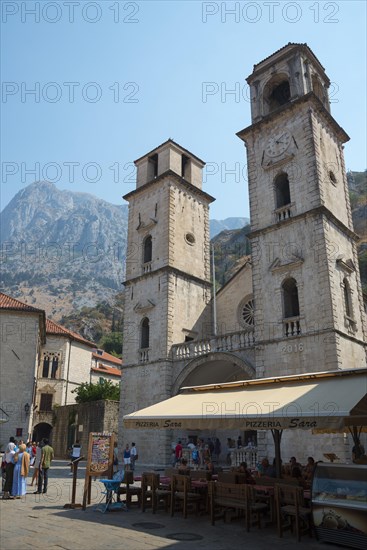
(42, 430)
(214, 368)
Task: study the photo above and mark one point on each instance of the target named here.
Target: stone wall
(19, 348)
(76, 421)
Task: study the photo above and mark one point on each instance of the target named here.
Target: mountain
(217, 226)
(62, 250)
(65, 252)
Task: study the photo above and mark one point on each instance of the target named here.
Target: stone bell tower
(308, 301)
(167, 287)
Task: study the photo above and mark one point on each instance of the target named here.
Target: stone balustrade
(292, 326)
(226, 342)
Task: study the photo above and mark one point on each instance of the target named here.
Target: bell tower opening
(277, 92)
(282, 192)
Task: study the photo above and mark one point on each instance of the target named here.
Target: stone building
(41, 364)
(294, 307)
(23, 333)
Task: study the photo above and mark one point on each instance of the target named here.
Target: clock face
(277, 144)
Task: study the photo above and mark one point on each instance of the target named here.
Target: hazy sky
(111, 80)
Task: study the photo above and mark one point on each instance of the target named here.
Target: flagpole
(214, 295)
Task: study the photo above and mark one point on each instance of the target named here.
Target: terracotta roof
(103, 356)
(11, 304)
(54, 328)
(6, 302)
(107, 370)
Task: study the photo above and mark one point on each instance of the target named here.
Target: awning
(326, 400)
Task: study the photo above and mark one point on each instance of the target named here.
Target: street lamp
(27, 408)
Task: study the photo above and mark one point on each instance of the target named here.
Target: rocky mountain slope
(62, 250)
(65, 252)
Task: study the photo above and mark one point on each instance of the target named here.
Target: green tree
(95, 392)
(112, 343)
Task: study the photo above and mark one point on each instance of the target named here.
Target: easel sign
(99, 461)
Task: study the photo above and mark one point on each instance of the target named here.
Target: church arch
(227, 368)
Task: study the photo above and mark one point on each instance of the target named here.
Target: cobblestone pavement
(40, 521)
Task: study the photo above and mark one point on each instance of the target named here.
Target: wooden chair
(161, 494)
(129, 489)
(181, 491)
(149, 483)
(152, 493)
(227, 477)
(290, 510)
(198, 474)
(254, 506)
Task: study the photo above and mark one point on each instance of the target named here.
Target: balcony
(292, 326)
(147, 267)
(144, 355)
(229, 342)
(283, 213)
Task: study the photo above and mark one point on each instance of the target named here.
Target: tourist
(36, 464)
(209, 466)
(76, 449)
(9, 468)
(183, 467)
(47, 456)
(127, 457)
(265, 469)
(308, 470)
(133, 456)
(242, 469)
(178, 452)
(20, 473)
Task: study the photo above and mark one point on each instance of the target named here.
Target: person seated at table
(242, 469)
(309, 469)
(297, 474)
(183, 468)
(265, 469)
(209, 466)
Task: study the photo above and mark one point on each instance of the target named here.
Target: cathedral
(295, 306)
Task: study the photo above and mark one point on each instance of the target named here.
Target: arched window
(290, 298)
(46, 364)
(147, 249)
(144, 341)
(282, 192)
(54, 367)
(347, 299)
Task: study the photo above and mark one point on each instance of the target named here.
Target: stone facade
(22, 333)
(296, 307)
(72, 422)
(41, 364)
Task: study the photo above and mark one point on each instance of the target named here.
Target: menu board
(99, 461)
(100, 452)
